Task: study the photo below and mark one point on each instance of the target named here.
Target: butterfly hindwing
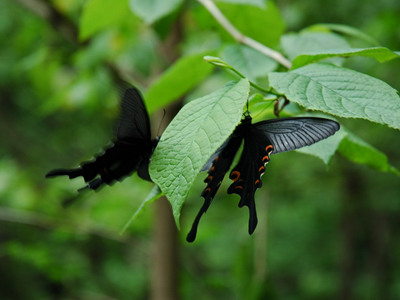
(222, 161)
(246, 175)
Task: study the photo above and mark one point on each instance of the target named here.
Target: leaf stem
(241, 38)
(254, 85)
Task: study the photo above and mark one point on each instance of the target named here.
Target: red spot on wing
(234, 175)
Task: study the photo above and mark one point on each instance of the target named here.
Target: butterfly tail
(208, 194)
(221, 162)
(71, 173)
(93, 185)
(193, 231)
(88, 171)
(251, 205)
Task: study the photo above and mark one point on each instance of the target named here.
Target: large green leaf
(346, 30)
(341, 92)
(183, 75)
(192, 137)
(152, 10)
(101, 14)
(351, 147)
(294, 44)
(358, 151)
(381, 54)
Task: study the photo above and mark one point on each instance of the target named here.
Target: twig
(241, 38)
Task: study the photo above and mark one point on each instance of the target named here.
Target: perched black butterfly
(260, 140)
(130, 152)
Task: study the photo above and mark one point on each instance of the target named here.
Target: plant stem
(241, 38)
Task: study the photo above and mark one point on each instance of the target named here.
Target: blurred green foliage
(324, 232)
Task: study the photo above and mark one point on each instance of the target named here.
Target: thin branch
(241, 38)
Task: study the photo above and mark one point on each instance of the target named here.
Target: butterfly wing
(246, 175)
(132, 148)
(293, 133)
(134, 121)
(260, 140)
(272, 136)
(210, 161)
(222, 160)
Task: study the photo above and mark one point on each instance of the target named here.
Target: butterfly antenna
(246, 114)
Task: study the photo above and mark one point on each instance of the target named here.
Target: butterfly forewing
(134, 121)
(293, 133)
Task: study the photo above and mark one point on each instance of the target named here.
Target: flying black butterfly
(260, 140)
(131, 151)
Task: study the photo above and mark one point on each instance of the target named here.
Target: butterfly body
(260, 140)
(131, 151)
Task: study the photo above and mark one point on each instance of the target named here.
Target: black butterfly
(130, 152)
(260, 140)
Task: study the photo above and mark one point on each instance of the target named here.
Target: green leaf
(259, 3)
(249, 62)
(196, 132)
(153, 10)
(265, 25)
(381, 54)
(154, 194)
(358, 151)
(325, 149)
(341, 92)
(294, 44)
(101, 14)
(345, 29)
(183, 75)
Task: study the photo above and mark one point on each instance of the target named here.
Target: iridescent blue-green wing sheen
(220, 165)
(288, 134)
(246, 175)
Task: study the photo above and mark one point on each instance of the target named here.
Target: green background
(325, 232)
